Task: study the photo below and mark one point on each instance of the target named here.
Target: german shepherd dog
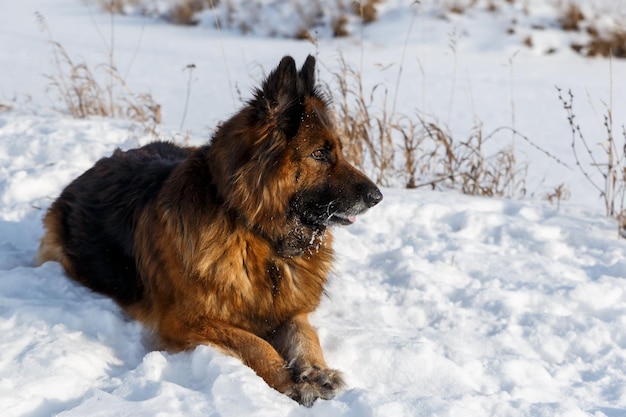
(226, 244)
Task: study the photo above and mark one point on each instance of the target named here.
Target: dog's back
(90, 227)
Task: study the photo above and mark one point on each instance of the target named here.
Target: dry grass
(367, 137)
(415, 150)
(571, 17)
(118, 6)
(559, 193)
(311, 13)
(84, 94)
(184, 12)
(419, 151)
(366, 10)
(339, 24)
(467, 165)
(339, 17)
(608, 42)
(607, 162)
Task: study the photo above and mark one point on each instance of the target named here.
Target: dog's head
(281, 165)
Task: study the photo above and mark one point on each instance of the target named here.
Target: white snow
(441, 304)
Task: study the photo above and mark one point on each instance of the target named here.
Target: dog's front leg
(252, 350)
(296, 340)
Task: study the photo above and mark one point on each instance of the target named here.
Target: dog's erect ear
(307, 76)
(281, 86)
(282, 98)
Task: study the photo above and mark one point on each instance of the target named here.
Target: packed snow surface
(440, 304)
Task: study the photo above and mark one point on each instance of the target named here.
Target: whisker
(330, 214)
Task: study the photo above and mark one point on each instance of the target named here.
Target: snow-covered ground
(441, 304)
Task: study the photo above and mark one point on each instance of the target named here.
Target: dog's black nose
(373, 197)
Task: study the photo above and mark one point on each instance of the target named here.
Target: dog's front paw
(313, 382)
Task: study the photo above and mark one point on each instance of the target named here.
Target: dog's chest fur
(225, 272)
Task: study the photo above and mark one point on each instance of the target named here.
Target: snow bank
(441, 304)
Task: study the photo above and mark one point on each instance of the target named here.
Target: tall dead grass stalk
(79, 88)
(419, 150)
(368, 140)
(607, 163)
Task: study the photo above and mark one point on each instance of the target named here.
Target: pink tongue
(352, 219)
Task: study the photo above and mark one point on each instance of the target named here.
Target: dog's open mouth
(342, 219)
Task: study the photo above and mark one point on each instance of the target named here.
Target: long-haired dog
(227, 244)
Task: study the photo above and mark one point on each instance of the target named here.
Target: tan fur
(219, 253)
(51, 244)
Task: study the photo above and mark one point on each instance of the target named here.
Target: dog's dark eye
(320, 155)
